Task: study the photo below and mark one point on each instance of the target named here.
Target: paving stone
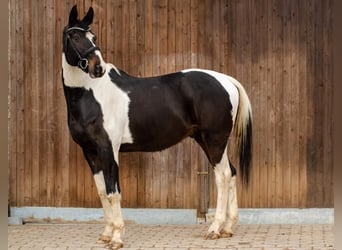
(167, 237)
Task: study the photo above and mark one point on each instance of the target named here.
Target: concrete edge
(21, 215)
(284, 216)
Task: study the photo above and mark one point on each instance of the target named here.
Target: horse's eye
(76, 37)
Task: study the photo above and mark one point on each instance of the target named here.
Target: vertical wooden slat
(294, 125)
(264, 130)
(194, 33)
(286, 99)
(302, 102)
(14, 70)
(33, 118)
(314, 83)
(224, 30)
(21, 107)
(42, 114)
(216, 30)
(51, 81)
(271, 104)
(279, 112)
(327, 133)
(27, 171)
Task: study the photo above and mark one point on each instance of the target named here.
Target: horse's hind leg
(232, 208)
(222, 178)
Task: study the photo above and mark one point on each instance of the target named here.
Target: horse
(109, 111)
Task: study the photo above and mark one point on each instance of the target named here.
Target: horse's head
(79, 44)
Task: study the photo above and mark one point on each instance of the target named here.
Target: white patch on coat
(90, 37)
(227, 84)
(113, 101)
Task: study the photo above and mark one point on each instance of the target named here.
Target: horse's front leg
(107, 234)
(95, 162)
(118, 222)
(114, 197)
(114, 228)
(106, 176)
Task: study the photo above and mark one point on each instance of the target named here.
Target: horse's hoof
(116, 245)
(212, 236)
(226, 234)
(104, 239)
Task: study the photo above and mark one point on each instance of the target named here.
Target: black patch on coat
(163, 110)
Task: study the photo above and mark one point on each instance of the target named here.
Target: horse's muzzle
(97, 71)
(96, 66)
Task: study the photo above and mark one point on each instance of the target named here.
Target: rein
(83, 60)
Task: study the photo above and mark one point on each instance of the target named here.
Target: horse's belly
(156, 139)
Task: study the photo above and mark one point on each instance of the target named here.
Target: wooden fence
(280, 50)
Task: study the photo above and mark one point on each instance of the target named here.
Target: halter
(83, 60)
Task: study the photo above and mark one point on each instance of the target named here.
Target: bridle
(83, 60)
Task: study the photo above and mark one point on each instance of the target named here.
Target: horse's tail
(242, 131)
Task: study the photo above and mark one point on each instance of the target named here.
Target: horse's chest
(101, 111)
(85, 118)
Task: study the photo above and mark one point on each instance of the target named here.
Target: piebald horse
(110, 111)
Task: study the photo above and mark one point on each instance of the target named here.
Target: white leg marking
(232, 209)
(108, 214)
(222, 178)
(117, 219)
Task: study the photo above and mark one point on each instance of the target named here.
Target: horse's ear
(73, 15)
(88, 19)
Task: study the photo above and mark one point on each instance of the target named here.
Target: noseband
(83, 60)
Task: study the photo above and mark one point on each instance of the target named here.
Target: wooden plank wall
(279, 50)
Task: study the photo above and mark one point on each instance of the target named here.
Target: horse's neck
(73, 76)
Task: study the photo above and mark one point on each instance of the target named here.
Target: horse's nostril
(98, 69)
